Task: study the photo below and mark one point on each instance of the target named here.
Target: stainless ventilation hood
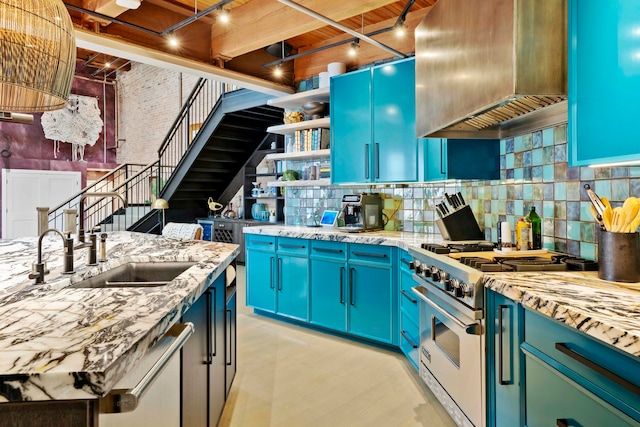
(491, 68)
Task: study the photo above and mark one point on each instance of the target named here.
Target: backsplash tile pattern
(534, 172)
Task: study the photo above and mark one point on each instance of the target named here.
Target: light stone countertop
(58, 342)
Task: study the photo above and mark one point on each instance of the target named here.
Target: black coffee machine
(362, 212)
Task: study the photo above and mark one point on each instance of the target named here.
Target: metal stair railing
(141, 184)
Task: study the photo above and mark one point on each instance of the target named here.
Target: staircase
(190, 168)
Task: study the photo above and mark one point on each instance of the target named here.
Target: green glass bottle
(536, 228)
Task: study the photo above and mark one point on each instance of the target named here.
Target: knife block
(460, 224)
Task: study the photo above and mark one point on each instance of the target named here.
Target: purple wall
(25, 147)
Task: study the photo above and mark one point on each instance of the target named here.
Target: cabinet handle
(341, 285)
(366, 161)
(404, 335)
(501, 379)
(333, 251)
(376, 160)
(288, 246)
(214, 297)
(271, 273)
(279, 274)
(118, 401)
(403, 292)
(405, 262)
(351, 299)
(433, 328)
(209, 360)
(260, 242)
(368, 254)
(442, 171)
(228, 360)
(561, 422)
(563, 348)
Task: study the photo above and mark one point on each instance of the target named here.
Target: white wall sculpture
(78, 124)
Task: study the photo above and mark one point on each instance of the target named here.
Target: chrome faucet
(92, 244)
(39, 268)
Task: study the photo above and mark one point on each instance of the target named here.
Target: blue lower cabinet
(504, 323)
(293, 286)
(328, 294)
(260, 270)
(409, 317)
(552, 399)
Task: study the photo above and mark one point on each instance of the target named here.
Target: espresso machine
(362, 212)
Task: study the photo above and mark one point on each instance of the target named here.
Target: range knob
(413, 265)
(444, 276)
(457, 290)
(467, 290)
(435, 274)
(451, 284)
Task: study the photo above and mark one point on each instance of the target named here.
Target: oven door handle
(471, 329)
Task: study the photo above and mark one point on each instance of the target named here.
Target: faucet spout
(81, 210)
(39, 269)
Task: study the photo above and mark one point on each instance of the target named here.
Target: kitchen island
(59, 343)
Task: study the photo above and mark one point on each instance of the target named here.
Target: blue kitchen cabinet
(504, 335)
(409, 316)
(261, 272)
(555, 400)
(328, 285)
(292, 278)
(442, 158)
(373, 125)
(604, 81)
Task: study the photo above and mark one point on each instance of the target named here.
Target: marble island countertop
(58, 342)
(607, 311)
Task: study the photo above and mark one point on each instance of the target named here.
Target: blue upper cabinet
(373, 125)
(604, 81)
(459, 159)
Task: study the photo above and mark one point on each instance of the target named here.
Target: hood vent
(491, 68)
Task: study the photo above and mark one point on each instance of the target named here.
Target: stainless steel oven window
(446, 340)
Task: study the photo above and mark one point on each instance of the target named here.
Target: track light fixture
(223, 15)
(173, 40)
(353, 49)
(400, 28)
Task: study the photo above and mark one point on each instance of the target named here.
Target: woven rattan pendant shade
(37, 55)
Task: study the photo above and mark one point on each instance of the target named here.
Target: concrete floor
(293, 376)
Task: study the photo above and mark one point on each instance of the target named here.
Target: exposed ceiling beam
(252, 27)
(123, 49)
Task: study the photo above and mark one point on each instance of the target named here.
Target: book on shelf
(309, 140)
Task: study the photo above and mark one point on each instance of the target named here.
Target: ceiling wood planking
(312, 64)
(254, 27)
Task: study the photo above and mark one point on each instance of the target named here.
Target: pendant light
(37, 53)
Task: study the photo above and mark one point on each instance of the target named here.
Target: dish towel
(182, 230)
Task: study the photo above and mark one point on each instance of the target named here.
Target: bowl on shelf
(315, 109)
(292, 117)
(257, 209)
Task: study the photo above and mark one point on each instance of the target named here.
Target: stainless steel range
(449, 281)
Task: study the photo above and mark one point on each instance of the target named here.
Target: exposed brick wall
(149, 99)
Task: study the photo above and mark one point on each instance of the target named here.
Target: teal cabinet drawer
(321, 249)
(552, 399)
(380, 255)
(588, 361)
(261, 243)
(292, 246)
(410, 339)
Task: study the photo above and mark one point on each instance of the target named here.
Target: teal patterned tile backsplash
(533, 172)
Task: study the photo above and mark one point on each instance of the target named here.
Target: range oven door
(452, 355)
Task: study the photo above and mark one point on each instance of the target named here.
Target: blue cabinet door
(554, 400)
(395, 148)
(370, 302)
(503, 360)
(260, 271)
(351, 128)
(459, 159)
(293, 286)
(328, 294)
(604, 81)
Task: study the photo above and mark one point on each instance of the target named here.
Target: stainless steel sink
(136, 275)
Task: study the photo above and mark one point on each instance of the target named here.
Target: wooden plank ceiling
(240, 44)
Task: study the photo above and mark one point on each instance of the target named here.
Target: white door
(25, 190)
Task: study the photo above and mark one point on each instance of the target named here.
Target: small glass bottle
(536, 228)
(522, 235)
